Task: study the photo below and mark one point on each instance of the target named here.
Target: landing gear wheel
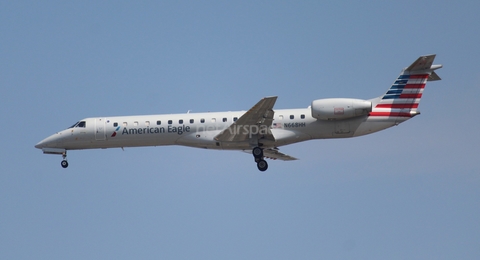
(64, 164)
(262, 165)
(257, 152)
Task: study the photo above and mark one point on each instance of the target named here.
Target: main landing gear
(64, 162)
(262, 165)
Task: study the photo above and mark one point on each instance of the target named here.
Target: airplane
(261, 129)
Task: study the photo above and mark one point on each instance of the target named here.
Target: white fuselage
(199, 129)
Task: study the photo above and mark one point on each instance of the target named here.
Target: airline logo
(403, 97)
(115, 132)
(338, 111)
(153, 130)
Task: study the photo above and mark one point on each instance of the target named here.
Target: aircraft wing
(256, 121)
(275, 154)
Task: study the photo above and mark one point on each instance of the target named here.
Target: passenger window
(280, 117)
(159, 122)
(224, 119)
(292, 117)
(191, 121)
(135, 123)
(214, 120)
(169, 122)
(202, 120)
(180, 121)
(125, 123)
(235, 119)
(115, 124)
(302, 116)
(147, 123)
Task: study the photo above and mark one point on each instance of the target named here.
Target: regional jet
(260, 130)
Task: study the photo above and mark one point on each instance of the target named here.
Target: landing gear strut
(64, 162)
(262, 165)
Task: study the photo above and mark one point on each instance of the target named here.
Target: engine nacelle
(340, 108)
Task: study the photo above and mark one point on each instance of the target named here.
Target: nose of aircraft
(43, 143)
(39, 145)
(50, 142)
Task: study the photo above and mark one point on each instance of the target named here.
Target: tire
(64, 164)
(257, 152)
(262, 165)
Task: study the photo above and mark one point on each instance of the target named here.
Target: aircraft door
(100, 129)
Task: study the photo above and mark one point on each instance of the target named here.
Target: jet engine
(340, 108)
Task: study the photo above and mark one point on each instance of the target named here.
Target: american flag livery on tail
(403, 98)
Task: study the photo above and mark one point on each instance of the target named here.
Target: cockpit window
(82, 124)
(73, 125)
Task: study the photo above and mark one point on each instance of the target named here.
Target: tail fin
(402, 99)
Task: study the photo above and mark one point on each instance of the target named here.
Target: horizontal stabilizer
(434, 76)
(422, 63)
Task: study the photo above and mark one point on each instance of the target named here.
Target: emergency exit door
(100, 129)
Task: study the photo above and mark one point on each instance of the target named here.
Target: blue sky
(410, 192)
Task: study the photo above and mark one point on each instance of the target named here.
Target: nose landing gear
(262, 165)
(64, 162)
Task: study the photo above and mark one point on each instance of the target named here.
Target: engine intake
(340, 108)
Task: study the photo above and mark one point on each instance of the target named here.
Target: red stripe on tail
(414, 86)
(423, 76)
(397, 106)
(410, 95)
(390, 114)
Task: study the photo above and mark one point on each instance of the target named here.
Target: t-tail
(402, 99)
